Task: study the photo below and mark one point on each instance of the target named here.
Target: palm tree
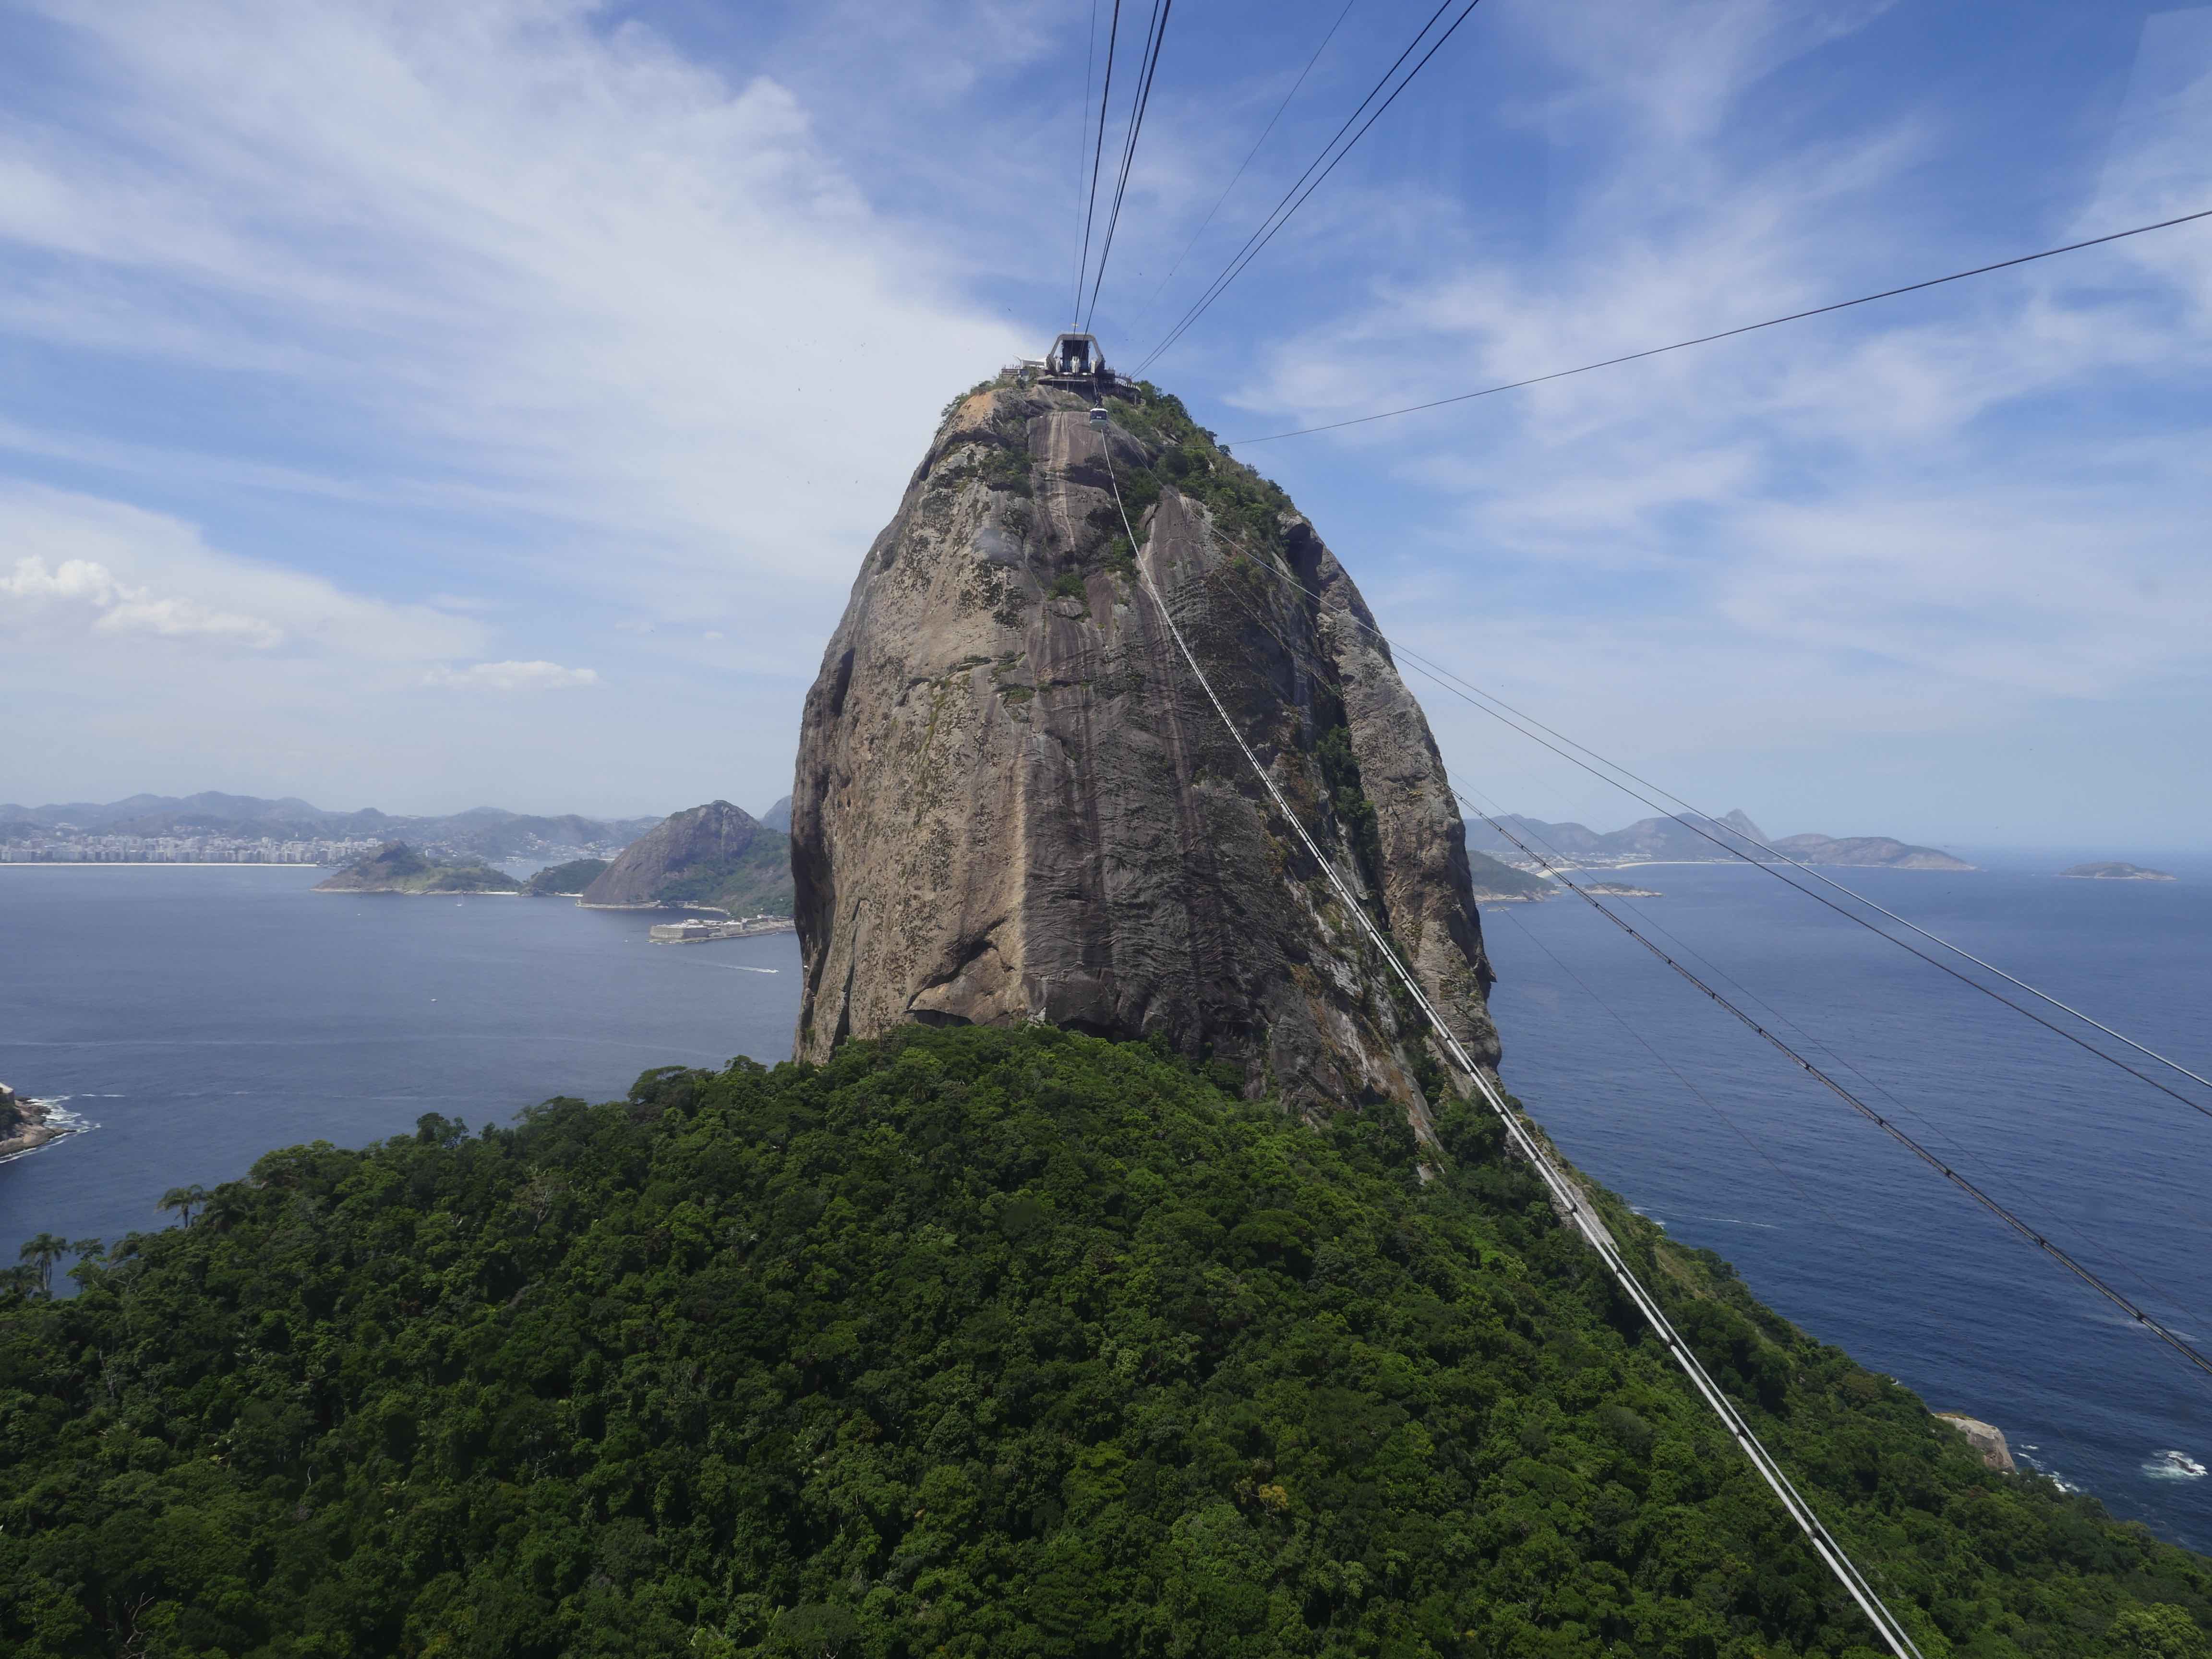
(184, 1201)
(225, 1205)
(42, 1253)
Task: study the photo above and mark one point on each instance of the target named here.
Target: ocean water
(1670, 1101)
(200, 1016)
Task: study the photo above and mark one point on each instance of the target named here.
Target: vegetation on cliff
(970, 1342)
(396, 867)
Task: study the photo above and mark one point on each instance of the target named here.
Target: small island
(1619, 890)
(396, 867)
(2114, 871)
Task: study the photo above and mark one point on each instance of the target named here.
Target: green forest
(971, 1342)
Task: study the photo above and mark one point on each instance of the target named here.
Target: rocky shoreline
(26, 1125)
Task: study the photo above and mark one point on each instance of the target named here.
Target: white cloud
(122, 608)
(1936, 515)
(83, 566)
(512, 677)
(554, 267)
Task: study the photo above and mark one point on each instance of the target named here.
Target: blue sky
(490, 401)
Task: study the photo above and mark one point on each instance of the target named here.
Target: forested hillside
(970, 1342)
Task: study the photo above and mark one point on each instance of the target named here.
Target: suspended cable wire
(1294, 199)
(1251, 154)
(1097, 155)
(1980, 1195)
(1726, 333)
(2178, 1344)
(1467, 692)
(1566, 1194)
(1930, 1127)
(1090, 68)
(1305, 659)
(1155, 35)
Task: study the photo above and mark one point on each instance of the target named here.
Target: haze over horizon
(436, 407)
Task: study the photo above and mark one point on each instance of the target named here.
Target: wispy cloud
(83, 566)
(121, 608)
(1931, 516)
(543, 255)
(511, 677)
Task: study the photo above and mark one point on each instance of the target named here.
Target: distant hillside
(778, 817)
(566, 880)
(1670, 841)
(1497, 882)
(1866, 852)
(396, 867)
(485, 832)
(714, 857)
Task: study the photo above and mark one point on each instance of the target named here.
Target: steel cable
(1473, 695)
(1283, 209)
(1726, 333)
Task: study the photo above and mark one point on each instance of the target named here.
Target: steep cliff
(1013, 801)
(715, 856)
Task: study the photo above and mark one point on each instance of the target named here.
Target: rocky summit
(1013, 801)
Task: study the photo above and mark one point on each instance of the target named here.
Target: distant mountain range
(485, 832)
(1670, 841)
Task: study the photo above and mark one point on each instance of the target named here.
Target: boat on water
(2174, 1466)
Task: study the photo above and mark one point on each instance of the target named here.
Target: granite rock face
(714, 857)
(1013, 802)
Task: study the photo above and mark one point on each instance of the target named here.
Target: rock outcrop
(1986, 1438)
(715, 857)
(27, 1124)
(1013, 802)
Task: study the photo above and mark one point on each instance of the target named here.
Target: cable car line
(1283, 209)
(1555, 872)
(1098, 153)
(1565, 1194)
(1725, 334)
(1811, 1202)
(1254, 152)
(1089, 67)
(2178, 1344)
(1473, 695)
(1930, 1127)
(1695, 812)
(1155, 35)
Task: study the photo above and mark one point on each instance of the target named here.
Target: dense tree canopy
(971, 1343)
